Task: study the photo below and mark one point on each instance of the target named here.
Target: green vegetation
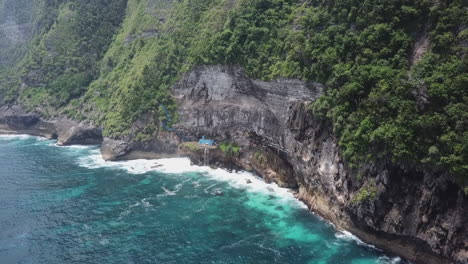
(367, 192)
(383, 107)
(386, 101)
(192, 146)
(14, 33)
(63, 56)
(230, 148)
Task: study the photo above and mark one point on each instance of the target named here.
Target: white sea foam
(206, 190)
(345, 235)
(74, 146)
(20, 137)
(177, 188)
(94, 160)
(123, 214)
(145, 203)
(240, 179)
(168, 192)
(387, 260)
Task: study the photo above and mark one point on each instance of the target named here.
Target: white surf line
(20, 136)
(348, 236)
(235, 179)
(74, 146)
(52, 142)
(182, 165)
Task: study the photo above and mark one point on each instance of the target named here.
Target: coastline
(69, 132)
(241, 181)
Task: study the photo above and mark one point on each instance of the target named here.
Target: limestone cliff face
(218, 101)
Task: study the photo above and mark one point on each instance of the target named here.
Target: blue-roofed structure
(204, 141)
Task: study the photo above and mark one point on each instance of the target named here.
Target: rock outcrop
(162, 146)
(15, 120)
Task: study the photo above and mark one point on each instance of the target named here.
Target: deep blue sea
(66, 205)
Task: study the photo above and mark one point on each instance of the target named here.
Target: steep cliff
(414, 212)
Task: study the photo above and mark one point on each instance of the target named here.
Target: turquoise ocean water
(66, 205)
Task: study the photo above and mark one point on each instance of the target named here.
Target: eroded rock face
(164, 145)
(70, 133)
(218, 101)
(15, 120)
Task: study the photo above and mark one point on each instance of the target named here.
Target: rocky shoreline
(314, 203)
(15, 120)
(415, 213)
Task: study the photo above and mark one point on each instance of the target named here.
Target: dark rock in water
(248, 181)
(161, 146)
(113, 149)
